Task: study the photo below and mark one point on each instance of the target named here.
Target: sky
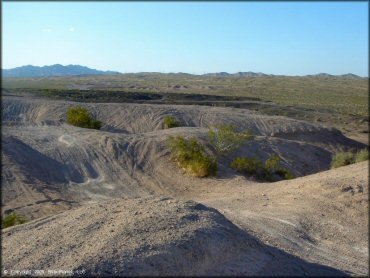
(289, 38)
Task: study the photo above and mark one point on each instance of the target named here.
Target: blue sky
(291, 38)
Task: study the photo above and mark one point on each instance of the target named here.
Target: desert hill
(63, 162)
(114, 196)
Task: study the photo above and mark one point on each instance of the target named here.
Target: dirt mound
(51, 163)
(142, 118)
(159, 236)
(49, 167)
(320, 218)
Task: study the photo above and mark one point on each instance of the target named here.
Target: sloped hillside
(146, 236)
(50, 165)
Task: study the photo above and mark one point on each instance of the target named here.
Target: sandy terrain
(121, 176)
(147, 236)
(321, 218)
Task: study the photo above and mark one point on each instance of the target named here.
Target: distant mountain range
(71, 70)
(53, 70)
(261, 74)
(348, 75)
(240, 74)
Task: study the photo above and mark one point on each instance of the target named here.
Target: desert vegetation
(362, 155)
(247, 165)
(226, 139)
(253, 166)
(343, 158)
(170, 122)
(11, 220)
(79, 116)
(190, 155)
(344, 105)
(272, 167)
(342, 95)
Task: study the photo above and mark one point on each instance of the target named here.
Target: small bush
(225, 139)
(342, 159)
(266, 175)
(246, 165)
(249, 135)
(95, 124)
(362, 155)
(191, 156)
(201, 167)
(11, 220)
(268, 171)
(79, 116)
(272, 163)
(170, 122)
(272, 168)
(284, 173)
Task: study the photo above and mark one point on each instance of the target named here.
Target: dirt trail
(321, 218)
(307, 223)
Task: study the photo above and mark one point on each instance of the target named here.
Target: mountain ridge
(53, 70)
(76, 70)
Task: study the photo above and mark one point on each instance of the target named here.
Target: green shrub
(362, 155)
(266, 175)
(284, 173)
(272, 168)
(272, 163)
(342, 158)
(268, 171)
(247, 165)
(11, 220)
(79, 116)
(249, 135)
(170, 122)
(191, 156)
(95, 124)
(225, 139)
(201, 167)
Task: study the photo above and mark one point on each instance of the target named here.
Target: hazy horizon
(182, 72)
(283, 38)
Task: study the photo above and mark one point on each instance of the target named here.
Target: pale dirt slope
(146, 236)
(49, 167)
(321, 218)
